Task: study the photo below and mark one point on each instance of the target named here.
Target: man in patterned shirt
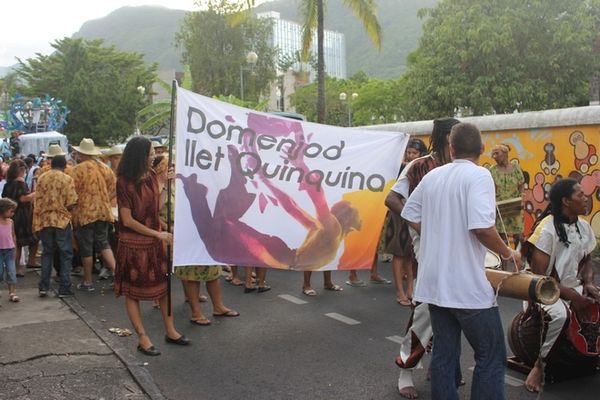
(95, 184)
(55, 197)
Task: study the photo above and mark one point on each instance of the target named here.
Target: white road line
(341, 318)
(395, 339)
(509, 380)
(292, 299)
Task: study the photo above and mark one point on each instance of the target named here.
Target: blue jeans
(7, 266)
(54, 239)
(483, 330)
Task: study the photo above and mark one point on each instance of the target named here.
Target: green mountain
(151, 30)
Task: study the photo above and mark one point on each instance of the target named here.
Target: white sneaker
(104, 273)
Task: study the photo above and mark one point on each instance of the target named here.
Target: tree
(215, 49)
(312, 12)
(99, 85)
(496, 56)
(377, 101)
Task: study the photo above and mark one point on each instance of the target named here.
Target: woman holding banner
(141, 272)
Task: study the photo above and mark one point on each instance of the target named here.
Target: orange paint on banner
(360, 246)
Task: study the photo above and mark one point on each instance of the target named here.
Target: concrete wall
(547, 144)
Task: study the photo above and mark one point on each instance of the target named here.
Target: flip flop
(334, 288)
(380, 281)
(201, 322)
(403, 302)
(309, 292)
(230, 313)
(358, 283)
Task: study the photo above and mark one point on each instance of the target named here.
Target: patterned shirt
(95, 185)
(55, 192)
(508, 187)
(46, 167)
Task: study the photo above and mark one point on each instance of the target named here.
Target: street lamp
(343, 98)
(251, 59)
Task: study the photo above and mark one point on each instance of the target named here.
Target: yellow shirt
(95, 184)
(54, 193)
(45, 168)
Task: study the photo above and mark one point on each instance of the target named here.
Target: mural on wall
(546, 154)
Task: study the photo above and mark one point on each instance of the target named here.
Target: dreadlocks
(439, 137)
(561, 189)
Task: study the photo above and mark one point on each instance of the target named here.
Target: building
(287, 36)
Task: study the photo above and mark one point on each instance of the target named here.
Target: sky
(29, 28)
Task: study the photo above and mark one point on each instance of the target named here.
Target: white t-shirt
(564, 259)
(449, 202)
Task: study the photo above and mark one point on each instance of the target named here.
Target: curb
(138, 372)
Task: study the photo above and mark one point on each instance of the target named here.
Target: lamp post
(141, 91)
(343, 98)
(251, 59)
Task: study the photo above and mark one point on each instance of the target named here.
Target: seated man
(561, 246)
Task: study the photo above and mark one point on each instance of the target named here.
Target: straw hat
(87, 147)
(55, 150)
(116, 150)
(158, 145)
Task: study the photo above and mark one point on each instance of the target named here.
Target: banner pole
(169, 192)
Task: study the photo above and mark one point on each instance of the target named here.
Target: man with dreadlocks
(418, 332)
(561, 244)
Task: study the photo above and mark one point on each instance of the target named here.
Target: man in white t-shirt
(561, 244)
(454, 210)
(418, 332)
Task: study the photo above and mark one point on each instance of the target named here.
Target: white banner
(255, 189)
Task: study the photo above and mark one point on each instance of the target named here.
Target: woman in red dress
(141, 272)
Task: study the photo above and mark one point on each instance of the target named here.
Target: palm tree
(312, 12)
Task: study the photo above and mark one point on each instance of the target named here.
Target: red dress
(141, 272)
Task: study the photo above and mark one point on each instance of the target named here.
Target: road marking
(509, 380)
(292, 299)
(342, 318)
(395, 339)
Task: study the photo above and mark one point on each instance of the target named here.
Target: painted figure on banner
(325, 231)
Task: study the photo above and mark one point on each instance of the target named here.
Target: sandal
(309, 292)
(357, 283)
(236, 282)
(334, 288)
(230, 313)
(403, 302)
(13, 298)
(202, 321)
(380, 281)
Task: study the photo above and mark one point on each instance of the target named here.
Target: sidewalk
(49, 350)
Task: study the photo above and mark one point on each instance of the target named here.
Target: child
(7, 247)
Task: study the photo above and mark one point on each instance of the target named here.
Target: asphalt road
(337, 345)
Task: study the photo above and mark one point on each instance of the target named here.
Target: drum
(510, 207)
(575, 352)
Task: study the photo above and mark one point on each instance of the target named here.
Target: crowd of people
(111, 206)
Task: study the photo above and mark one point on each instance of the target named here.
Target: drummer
(561, 244)
(509, 181)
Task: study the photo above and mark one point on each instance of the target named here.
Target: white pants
(555, 315)
(417, 337)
